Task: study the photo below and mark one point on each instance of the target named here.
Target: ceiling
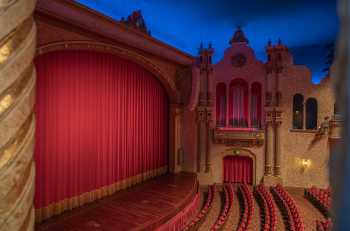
(307, 27)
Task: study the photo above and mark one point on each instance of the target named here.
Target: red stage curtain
(238, 104)
(255, 107)
(238, 169)
(221, 105)
(100, 120)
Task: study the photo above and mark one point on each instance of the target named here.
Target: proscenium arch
(243, 152)
(132, 56)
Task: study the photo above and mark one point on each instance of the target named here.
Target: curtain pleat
(100, 120)
(238, 169)
(255, 109)
(238, 104)
(221, 105)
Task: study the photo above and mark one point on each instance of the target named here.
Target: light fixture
(236, 151)
(305, 164)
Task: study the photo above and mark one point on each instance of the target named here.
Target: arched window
(238, 103)
(255, 106)
(221, 105)
(298, 111)
(311, 113)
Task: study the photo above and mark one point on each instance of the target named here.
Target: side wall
(301, 144)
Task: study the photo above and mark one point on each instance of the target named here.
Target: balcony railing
(245, 137)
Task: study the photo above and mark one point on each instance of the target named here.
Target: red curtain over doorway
(100, 120)
(238, 169)
(238, 103)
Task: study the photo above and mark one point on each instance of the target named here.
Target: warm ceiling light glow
(305, 164)
(5, 103)
(4, 53)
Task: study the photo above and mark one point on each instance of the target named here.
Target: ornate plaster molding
(165, 78)
(240, 138)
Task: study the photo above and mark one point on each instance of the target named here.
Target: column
(277, 167)
(208, 140)
(249, 105)
(201, 142)
(270, 146)
(17, 124)
(175, 138)
(228, 100)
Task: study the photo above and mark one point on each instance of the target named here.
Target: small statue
(321, 130)
(136, 20)
(324, 127)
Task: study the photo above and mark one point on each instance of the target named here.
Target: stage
(143, 207)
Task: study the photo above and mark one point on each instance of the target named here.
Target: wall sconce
(305, 164)
(236, 152)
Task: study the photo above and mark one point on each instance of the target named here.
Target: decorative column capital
(175, 109)
(273, 116)
(204, 114)
(277, 170)
(268, 170)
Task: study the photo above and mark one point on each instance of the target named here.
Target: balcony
(243, 137)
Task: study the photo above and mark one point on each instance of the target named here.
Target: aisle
(214, 211)
(255, 225)
(309, 214)
(233, 217)
(280, 225)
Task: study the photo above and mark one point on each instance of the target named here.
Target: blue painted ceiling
(307, 27)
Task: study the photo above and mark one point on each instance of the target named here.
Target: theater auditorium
(111, 120)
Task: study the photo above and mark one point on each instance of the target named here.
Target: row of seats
(321, 198)
(228, 198)
(289, 208)
(199, 219)
(247, 201)
(324, 225)
(265, 201)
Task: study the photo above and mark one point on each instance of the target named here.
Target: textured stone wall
(17, 89)
(297, 145)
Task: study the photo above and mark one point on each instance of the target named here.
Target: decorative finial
(210, 45)
(238, 36)
(201, 46)
(279, 41)
(269, 43)
(135, 20)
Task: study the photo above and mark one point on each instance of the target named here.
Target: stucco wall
(297, 145)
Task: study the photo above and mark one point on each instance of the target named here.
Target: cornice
(85, 18)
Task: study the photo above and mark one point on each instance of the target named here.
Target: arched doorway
(238, 169)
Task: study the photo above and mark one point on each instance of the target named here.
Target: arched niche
(221, 104)
(238, 103)
(256, 105)
(298, 111)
